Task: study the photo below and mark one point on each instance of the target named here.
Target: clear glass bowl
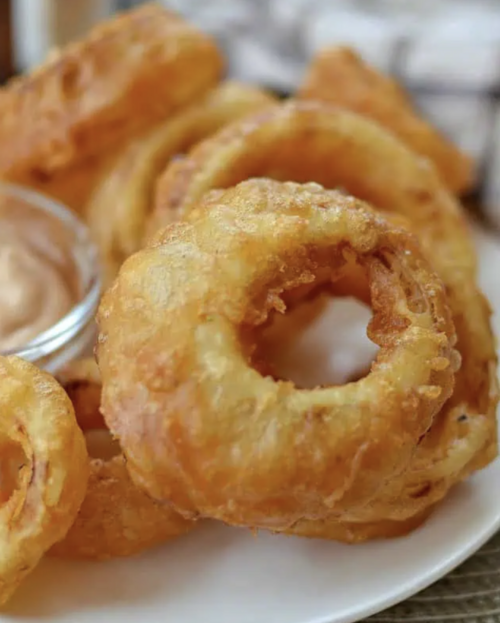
(65, 237)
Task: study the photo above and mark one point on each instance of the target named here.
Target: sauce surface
(35, 291)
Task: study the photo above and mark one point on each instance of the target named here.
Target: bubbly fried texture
(38, 428)
(311, 141)
(116, 518)
(120, 204)
(70, 113)
(339, 76)
(200, 426)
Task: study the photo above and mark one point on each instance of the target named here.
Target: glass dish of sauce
(49, 280)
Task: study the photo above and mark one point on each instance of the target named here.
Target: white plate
(224, 575)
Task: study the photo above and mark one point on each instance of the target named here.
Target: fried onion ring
(116, 518)
(200, 426)
(37, 421)
(339, 76)
(341, 149)
(70, 113)
(120, 204)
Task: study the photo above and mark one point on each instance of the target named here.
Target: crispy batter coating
(120, 204)
(358, 532)
(200, 426)
(67, 116)
(38, 428)
(339, 76)
(306, 141)
(116, 518)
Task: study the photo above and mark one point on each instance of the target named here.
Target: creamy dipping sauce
(35, 280)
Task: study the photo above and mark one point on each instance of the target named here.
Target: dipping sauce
(37, 274)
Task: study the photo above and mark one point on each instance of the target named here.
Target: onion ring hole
(100, 444)
(12, 461)
(319, 341)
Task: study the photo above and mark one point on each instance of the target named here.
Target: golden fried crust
(339, 76)
(200, 426)
(36, 417)
(126, 74)
(314, 141)
(73, 186)
(358, 532)
(121, 202)
(116, 518)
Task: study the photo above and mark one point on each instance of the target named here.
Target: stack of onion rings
(116, 518)
(205, 425)
(38, 419)
(200, 427)
(348, 151)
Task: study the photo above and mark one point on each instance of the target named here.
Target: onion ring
(116, 518)
(120, 204)
(342, 149)
(125, 75)
(339, 76)
(37, 418)
(200, 427)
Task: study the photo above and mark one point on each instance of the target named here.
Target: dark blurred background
(6, 61)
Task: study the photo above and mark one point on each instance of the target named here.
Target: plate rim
(451, 562)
